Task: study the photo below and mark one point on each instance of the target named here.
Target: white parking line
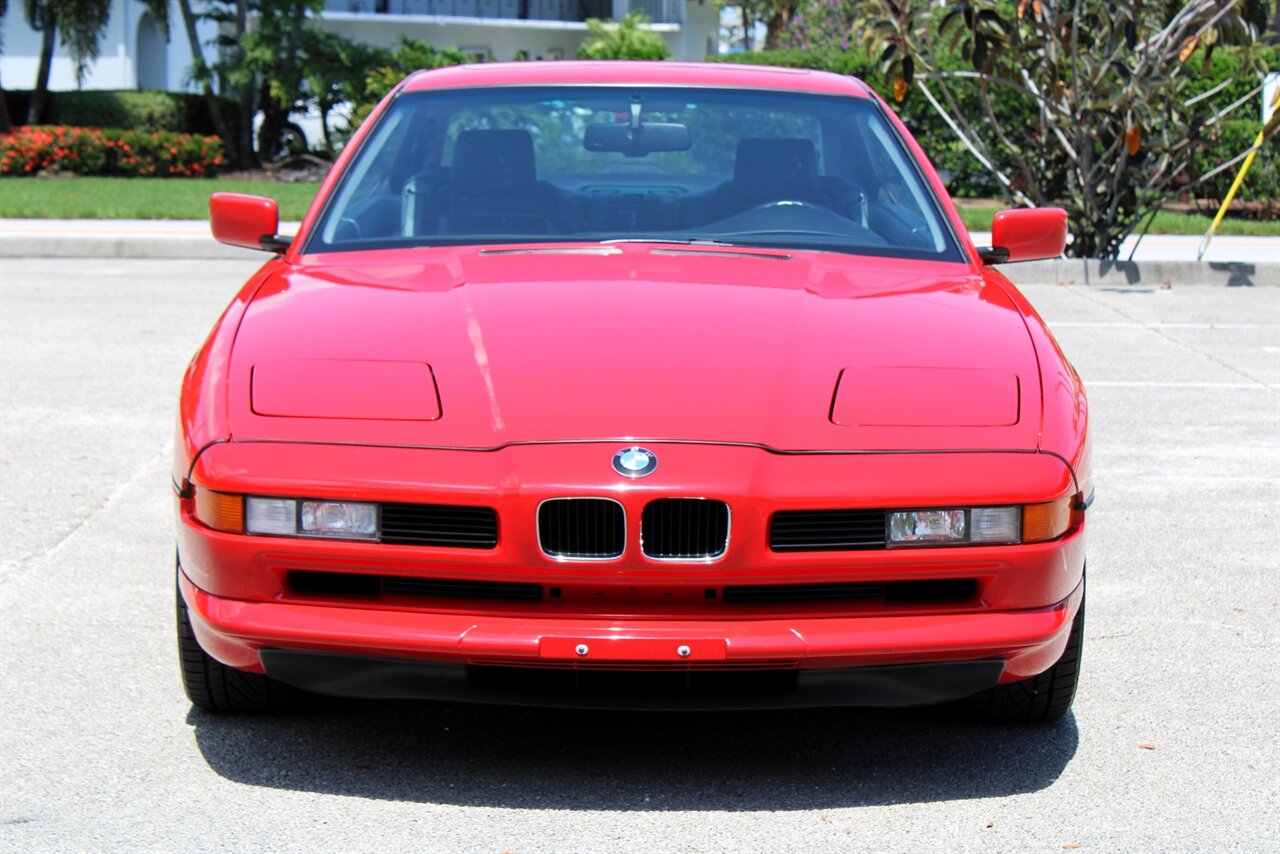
(1087, 324)
(1159, 384)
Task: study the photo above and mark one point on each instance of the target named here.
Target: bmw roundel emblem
(635, 462)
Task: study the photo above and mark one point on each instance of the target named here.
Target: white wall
(502, 38)
(117, 64)
(700, 35)
(116, 67)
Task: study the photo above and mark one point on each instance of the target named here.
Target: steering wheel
(786, 203)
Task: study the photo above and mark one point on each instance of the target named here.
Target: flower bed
(99, 151)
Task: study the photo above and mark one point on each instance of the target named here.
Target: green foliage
(271, 51)
(80, 26)
(625, 39)
(390, 67)
(1235, 134)
(94, 151)
(337, 69)
(854, 61)
(267, 59)
(150, 110)
(966, 177)
(1081, 104)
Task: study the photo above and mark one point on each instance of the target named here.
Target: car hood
(460, 347)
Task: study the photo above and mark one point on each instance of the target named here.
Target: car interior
(441, 181)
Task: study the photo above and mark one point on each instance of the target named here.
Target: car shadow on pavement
(497, 756)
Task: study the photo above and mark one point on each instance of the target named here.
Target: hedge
(94, 151)
(1226, 139)
(1237, 132)
(149, 110)
(967, 177)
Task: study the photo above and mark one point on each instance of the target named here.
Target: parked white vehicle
(304, 130)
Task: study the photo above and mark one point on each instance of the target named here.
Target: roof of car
(715, 74)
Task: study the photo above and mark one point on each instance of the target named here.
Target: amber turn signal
(220, 510)
(1041, 522)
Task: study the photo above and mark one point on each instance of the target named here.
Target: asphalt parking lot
(1172, 745)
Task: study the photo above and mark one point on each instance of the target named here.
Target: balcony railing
(659, 11)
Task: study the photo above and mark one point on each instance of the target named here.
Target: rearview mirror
(1026, 234)
(248, 221)
(643, 139)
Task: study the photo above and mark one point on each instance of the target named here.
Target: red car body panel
(529, 348)
(773, 380)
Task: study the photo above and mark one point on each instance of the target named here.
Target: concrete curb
(1062, 271)
(102, 246)
(1143, 274)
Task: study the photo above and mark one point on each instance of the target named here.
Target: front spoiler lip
(235, 632)
(385, 678)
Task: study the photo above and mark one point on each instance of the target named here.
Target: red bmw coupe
(642, 385)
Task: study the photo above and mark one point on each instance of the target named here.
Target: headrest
(775, 161)
(492, 159)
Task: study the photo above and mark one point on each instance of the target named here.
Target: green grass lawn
(178, 198)
(137, 198)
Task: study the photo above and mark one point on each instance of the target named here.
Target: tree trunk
(6, 124)
(324, 130)
(203, 74)
(245, 142)
(40, 92)
(748, 24)
(273, 117)
(779, 22)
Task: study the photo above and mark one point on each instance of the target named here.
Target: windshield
(569, 163)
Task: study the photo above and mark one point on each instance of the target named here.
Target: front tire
(211, 686)
(1041, 699)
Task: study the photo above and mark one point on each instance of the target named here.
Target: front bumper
(633, 614)
(377, 652)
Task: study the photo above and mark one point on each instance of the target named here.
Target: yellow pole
(1235, 185)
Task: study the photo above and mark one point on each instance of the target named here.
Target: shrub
(625, 39)
(948, 154)
(392, 66)
(968, 178)
(1236, 133)
(94, 151)
(152, 110)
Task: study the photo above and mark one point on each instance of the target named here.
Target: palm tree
(625, 39)
(203, 74)
(5, 124)
(81, 24)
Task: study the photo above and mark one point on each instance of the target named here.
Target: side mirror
(1026, 234)
(248, 221)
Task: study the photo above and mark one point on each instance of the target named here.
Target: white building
(546, 29)
(135, 55)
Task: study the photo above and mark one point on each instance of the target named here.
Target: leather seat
(494, 187)
(769, 169)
